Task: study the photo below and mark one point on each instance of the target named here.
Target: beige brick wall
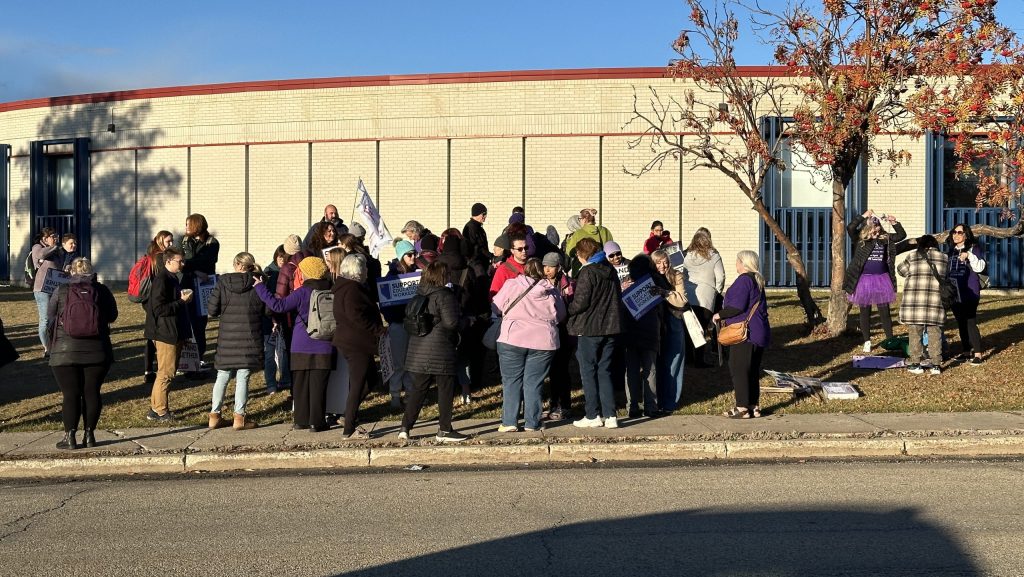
(113, 213)
(414, 184)
(487, 170)
(18, 203)
(163, 189)
(561, 178)
(337, 168)
(631, 203)
(278, 193)
(218, 193)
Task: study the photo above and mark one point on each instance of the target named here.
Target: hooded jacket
(96, 350)
(241, 312)
(533, 322)
(166, 314)
(435, 353)
(596, 308)
(705, 279)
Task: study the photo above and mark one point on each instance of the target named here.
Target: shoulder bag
(490, 339)
(947, 292)
(737, 333)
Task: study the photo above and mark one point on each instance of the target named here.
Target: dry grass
(29, 399)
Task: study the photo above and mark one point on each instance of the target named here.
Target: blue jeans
(271, 366)
(595, 357)
(42, 304)
(522, 378)
(670, 363)
(241, 390)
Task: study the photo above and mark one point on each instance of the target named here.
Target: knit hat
(313, 267)
(503, 242)
(292, 244)
(611, 246)
(429, 242)
(357, 230)
(478, 209)
(517, 218)
(403, 247)
(552, 259)
(573, 223)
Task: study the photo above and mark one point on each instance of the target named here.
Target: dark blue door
(5, 221)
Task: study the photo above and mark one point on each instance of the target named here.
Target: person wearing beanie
(311, 359)
(404, 263)
(292, 244)
(357, 230)
(402, 248)
(477, 249)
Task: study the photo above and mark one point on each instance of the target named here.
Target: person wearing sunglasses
(870, 279)
(966, 261)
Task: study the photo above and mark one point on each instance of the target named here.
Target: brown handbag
(737, 333)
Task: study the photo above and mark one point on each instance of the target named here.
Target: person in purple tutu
(871, 275)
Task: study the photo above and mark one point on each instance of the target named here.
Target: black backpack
(418, 322)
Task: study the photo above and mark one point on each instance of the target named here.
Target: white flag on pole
(377, 235)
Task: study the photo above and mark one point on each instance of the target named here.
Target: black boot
(89, 440)
(69, 441)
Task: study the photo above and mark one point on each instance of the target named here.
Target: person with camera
(167, 325)
(659, 238)
(966, 262)
(42, 252)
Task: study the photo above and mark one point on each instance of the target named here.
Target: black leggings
(445, 396)
(966, 315)
(745, 369)
(309, 390)
(80, 385)
(865, 321)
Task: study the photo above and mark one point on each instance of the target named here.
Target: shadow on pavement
(786, 543)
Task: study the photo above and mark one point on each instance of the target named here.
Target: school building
(261, 159)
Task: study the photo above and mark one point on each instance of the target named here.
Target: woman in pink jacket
(530, 308)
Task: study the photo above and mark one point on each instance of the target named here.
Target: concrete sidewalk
(673, 438)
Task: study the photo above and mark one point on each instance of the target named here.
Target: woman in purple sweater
(745, 358)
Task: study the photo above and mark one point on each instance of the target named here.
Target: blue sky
(78, 47)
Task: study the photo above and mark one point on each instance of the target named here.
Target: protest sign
(694, 329)
(623, 272)
(639, 299)
(203, 292)
(387, 362)
(189, 360)
(675, 255)
(398, 290)
(337, 387)
(55, 278)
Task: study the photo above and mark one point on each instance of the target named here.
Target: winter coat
(298, 302)
(674, 282)
(533, 322)
(505, 271)
(199, 256)
(705, 279)
(464, 283)
(270, 274)
(359, 324)
(594, 231)
(166, 314)
(596, 308)
(43, 258)
(922, 298)
(739, 299)
(475, 246)
(241, 312)
(862, 250)
(654, 242)
(964, 275)
(435, 353)
(65, 350)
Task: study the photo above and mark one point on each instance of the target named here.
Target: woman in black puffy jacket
(240, 338)
(80, 364)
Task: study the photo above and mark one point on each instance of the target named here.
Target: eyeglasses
(175, 261)
(615, 255)
(959, 232)
(519, 248)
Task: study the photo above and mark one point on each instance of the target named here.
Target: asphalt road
(905, 518)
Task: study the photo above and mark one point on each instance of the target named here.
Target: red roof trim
(361, 81)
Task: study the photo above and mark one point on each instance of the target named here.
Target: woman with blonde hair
(870, 279)
(705, 280)
(239, 338)
(745, 301)
(670, 284)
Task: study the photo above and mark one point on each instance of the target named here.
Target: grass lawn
(30, 400)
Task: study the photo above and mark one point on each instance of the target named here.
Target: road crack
(33, 517)
(548, 549)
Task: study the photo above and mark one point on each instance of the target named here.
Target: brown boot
(242, 423)
(216, 422)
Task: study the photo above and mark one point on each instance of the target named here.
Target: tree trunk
(838, 305)
(812, 313)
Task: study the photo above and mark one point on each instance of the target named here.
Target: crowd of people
(538, 313)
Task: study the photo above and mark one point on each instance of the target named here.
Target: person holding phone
(42, 252)
(167, 325)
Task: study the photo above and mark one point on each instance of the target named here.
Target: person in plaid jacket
(922, 310)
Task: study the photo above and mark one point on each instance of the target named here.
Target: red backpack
(81, 315)
(140, 279)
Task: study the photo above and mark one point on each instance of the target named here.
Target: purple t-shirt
(877, 262)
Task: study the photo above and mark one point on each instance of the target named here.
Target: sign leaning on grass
(639, 299)
(398, 290)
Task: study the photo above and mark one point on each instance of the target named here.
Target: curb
(489, 455)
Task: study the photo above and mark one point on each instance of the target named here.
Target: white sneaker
(611, 423)
(586, 423)
(403, 435)
(867, 346)
(935, 370)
